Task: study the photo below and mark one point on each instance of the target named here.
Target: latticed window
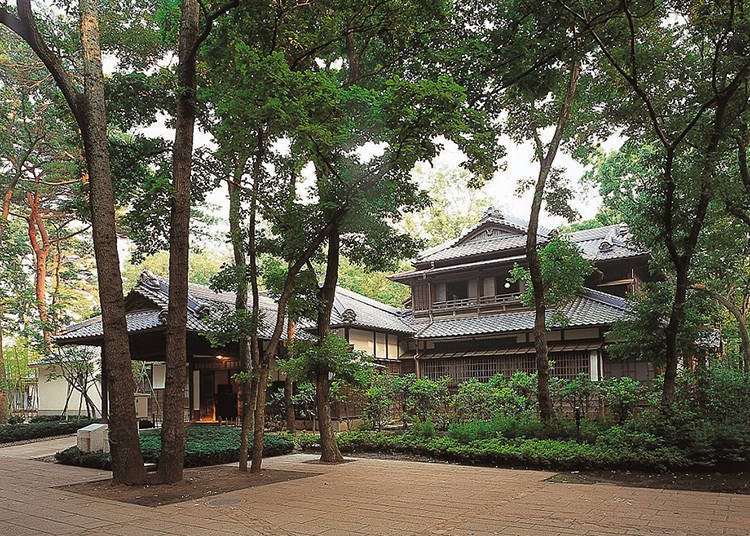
(567, 365)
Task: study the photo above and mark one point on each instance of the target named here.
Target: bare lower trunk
(676, 319)
(329, 449)
(260, 418)
(291, 423)
(546, 161)
(40, 244)
(3, 377)
(240, 263)
(127, 462)
(172, 454)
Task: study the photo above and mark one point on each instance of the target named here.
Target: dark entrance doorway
(207, 396)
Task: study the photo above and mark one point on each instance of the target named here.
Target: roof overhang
(510, 351)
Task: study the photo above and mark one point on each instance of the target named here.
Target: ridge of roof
(606, 298)
(491, 216)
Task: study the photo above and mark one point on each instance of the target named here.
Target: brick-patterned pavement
(364, 497)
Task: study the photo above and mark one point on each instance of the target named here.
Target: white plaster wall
(361, 340)
(52, 394)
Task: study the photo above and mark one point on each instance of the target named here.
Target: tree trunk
(3, 375)
(36, 230)
(171, 459)
(546, 410)
(329, 449)
(127, 462)
(260, 416)
(240, 264)
(4, 399)
(291, 422)
(671, 333)
(739, 316)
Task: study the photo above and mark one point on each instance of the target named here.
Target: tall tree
(526, 68)
(88, 107)
(191, 37)
(677, 75)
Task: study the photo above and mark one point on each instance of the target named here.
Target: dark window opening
(504, 286)
(457, 290)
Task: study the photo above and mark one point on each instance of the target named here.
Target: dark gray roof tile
(590, 308)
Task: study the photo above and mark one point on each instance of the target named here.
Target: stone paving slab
(368, 496)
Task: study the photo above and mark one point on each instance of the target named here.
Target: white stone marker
(93, 438)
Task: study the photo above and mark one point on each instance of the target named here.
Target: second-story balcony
(513, 299)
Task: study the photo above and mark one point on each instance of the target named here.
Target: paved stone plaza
(363, 497)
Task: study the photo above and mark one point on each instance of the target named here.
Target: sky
(502, 188)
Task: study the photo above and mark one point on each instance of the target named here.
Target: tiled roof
(468, 245)
(605, 243)
(602, 243)
(590, 308)
(368, 313)
(204, 303)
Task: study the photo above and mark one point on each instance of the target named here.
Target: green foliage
(481, 401)
(622, 395)
(563, 272)
(21, 432)
(453, 209)
(580, 392)
(334, 357)
(424, 429)
(373, 284)
(427, 399)
(379, 401)
(304, 400)
(519, 452)
(202, 267)
(204, 445)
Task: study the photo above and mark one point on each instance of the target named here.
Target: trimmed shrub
(204, 445)
(499, 451)
(21, 432)
(424, 429)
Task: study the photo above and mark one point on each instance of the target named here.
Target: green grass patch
(204, 445)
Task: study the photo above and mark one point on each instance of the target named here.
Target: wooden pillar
(594, 365)
(105, 386)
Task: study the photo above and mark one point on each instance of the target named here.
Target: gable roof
(495, 231)
(590, 308)
(504, 235)
(147, 303)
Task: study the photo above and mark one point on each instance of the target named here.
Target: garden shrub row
(34, 430)
(517, 452)
(204, 445)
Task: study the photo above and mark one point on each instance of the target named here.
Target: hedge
(517, 452)
(204, 445)
(20, 432)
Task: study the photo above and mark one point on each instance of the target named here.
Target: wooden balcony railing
(462, 303)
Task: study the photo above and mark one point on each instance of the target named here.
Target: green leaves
(563, 272)
(333, 357)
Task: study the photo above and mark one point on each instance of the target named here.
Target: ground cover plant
(204, 445)
(622, 423)
(40, 428)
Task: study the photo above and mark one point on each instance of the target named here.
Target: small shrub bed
(204, 445)
(34, 430)
(555, 454)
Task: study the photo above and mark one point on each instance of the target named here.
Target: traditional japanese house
(372, 327)
(467, 315)
(464, 318)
